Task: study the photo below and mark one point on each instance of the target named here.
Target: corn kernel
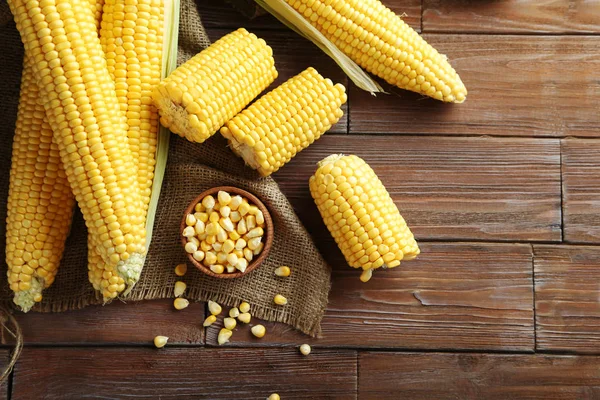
(223, 197)
(235, 202)
(218, 246)
(208, 202)
(258, 331)
(280, 300)
(179, 288)
(224, 336)
(260, 217)
(235, 216)
(198, 255)
(254, 233)
(191, 247)
(229, 323)
(248, 255)
(366, 275)
(244, 317)
(240, 244)
(244, 307)
(244, 208)
(180, 303)
(180, 269)
(209, 320)
(214, 308)
(217, 268)
(305, 349)
(189, 231)
(283, 271)
(232, 259)
(254, 243)
(225, 211)
(241, 264)
(274, 396)
(234, 235)
(160, 341)
(258, 249)
(190, 220)
(250, 222)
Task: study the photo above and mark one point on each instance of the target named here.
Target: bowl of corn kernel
(226, 232)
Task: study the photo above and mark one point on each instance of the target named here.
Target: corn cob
(131, 35)
(40, 203)
(216, 84)
(378, 40)
(360, 214)
(285, 121)
(61, 38)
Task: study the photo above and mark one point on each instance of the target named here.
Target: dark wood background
(503, 193)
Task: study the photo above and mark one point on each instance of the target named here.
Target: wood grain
(449, 188)
(567, 287)
(454, 296)
(183, 373)
(518, 86)
(4, 358)
(220, 14)
(293, 55)
(581, 190)
(116, 323)
(511, 16)
(477, 376)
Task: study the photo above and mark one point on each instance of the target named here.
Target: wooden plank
(183, 373)
(581, 190)
(477, 376)
(566, 298)
(293, 55)
(454, 296)
(511, 16)
(4, 359)
(518, 86)
(116, 323)
(220, 14)
(448, 187)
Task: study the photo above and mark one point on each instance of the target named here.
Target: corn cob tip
(26, 299)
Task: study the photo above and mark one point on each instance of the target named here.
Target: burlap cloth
(191, 169)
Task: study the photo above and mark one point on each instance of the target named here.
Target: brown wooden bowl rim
(268, 237)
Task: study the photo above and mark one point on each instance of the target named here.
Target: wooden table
(503, 193)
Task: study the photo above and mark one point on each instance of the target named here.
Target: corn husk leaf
(293, 20)
(169, 63)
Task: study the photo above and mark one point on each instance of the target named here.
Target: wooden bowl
(267, 238)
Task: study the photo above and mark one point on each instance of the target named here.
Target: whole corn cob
(378, 40)
(285, 121)
(40, 202)
(216, 84)
(60, 37)
(131, 35)
(360, 214)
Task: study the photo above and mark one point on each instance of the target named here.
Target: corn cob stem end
(242, 150)
(26, 299)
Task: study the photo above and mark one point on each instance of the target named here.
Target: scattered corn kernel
(258, 331)
(283, 271)
(214, 308)
(229, 323)
(305, 349)
(180, 269)
(244, 317)
(224, 335)
(209, 320)
(274, 396)
(366, 275)
(234, 312)
(217, 268)
(160, 341)
(179, 288)
(280, 300)
(244, 307)
(180, 303)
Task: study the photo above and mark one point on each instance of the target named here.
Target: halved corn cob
(378, 40)
(214, 85)
(285, 121)
(61, 38)
(40, 202)
(360, 214)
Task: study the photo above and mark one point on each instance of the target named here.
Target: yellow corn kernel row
(283, 122)
(378, 40)
(214, 85)
(360, 214)
(60, 36)
(40, 202)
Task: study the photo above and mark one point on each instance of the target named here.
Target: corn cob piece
(61, 38)
(378, 40)
(270, 132)
(214, 85)
(40, 203)
(360, 214)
